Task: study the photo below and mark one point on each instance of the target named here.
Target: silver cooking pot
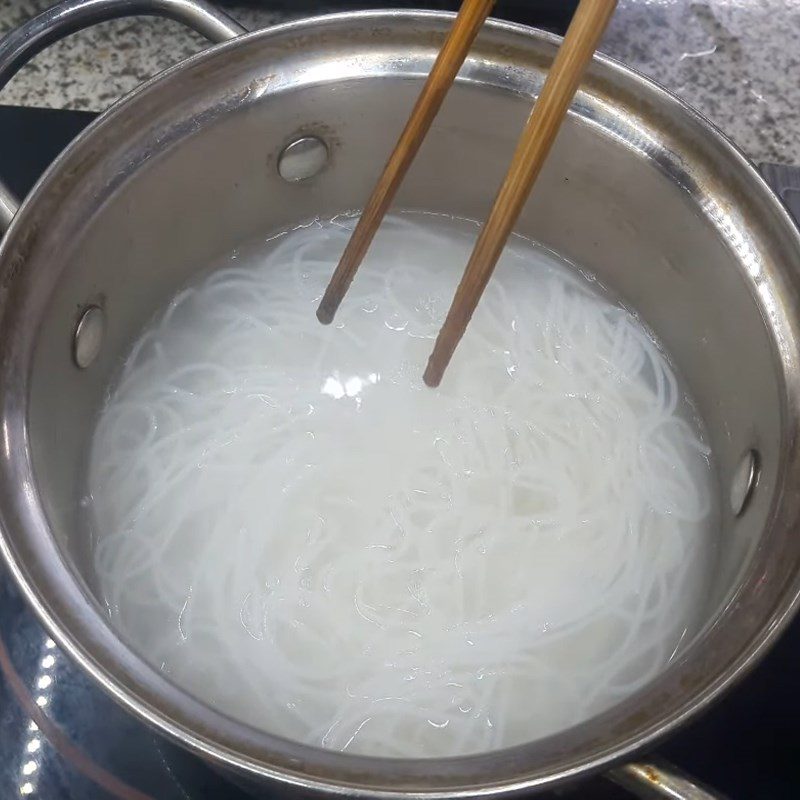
(273, 127)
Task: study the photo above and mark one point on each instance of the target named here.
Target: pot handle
(657, 780)
(70, 16)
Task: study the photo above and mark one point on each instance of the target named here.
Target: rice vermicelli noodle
(292, 527)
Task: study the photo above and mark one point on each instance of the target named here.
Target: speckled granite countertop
(737, 61)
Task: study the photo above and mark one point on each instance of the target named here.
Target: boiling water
(295, 529)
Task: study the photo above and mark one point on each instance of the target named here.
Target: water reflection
(337, 386)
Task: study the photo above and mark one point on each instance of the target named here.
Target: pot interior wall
(189, 173)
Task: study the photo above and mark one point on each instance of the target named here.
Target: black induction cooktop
(552, 14)
(746, 747)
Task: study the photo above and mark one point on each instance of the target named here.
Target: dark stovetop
(552, 14)
(747, 746)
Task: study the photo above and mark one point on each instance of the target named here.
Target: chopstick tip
(433, 375)
(325, 313)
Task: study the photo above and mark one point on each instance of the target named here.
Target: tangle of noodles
(295, 529)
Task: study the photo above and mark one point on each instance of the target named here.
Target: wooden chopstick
(583, 35)
(470, 18)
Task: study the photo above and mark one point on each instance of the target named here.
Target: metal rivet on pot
(302, 159)
(744, 481)
(88, 336)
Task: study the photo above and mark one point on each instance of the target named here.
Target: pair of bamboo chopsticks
(583, 35)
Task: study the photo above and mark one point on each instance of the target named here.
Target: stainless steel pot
(639, 189)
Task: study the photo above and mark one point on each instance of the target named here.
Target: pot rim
(328, 774)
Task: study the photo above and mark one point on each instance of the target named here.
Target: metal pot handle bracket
(70, 16)
(649, 781)
(657, 780)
